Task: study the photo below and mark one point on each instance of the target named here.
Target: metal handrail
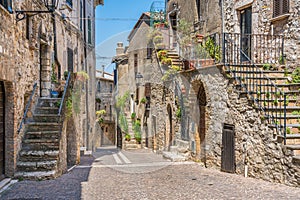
(64, 94)
(276, 89)
(27, 107)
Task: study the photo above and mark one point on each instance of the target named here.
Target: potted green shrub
(143, 100)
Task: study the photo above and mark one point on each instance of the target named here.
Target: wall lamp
(51, 5)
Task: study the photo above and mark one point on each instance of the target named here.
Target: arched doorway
(2, 130)
(169, 129)
(201, 100)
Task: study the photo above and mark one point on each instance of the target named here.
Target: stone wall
(255, 143)
(264, 23)
(22, 44)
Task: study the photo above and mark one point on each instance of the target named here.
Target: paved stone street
(141, 174)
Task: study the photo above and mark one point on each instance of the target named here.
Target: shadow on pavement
(67, 186)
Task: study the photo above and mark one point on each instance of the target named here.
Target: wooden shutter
(280, 7)
(147, 90)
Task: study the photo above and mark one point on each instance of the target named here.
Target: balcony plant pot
(199, 38)
(54, 94)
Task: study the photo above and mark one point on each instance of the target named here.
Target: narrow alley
(141, 174)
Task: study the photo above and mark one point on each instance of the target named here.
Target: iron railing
(64, 94)
(266, 95)
(27, 107)
(260, 48)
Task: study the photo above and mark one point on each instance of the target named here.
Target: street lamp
(138, 78)
(51, 5)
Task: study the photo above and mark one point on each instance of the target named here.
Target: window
(198, 8)
(99, 86)
(70, 60)
(110, 89)
(149, 51)
(81, 15)
(28, 28)
(135, 62)
(7, 4)
(89, 30)
(280, 7)
(69, 3)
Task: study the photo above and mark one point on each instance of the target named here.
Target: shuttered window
(6, 4)
(147, 90)
(280, 7)
(89, 30)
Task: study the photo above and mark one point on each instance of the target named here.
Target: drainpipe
(86, 69)
(55, 45)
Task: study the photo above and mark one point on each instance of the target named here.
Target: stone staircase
(176, 61)
(39, 155)
(132, 144)
(268, 91)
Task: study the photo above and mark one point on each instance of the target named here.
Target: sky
(114, 21)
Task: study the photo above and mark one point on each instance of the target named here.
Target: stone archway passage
(169, 128)
(2, 130)
(201, 99)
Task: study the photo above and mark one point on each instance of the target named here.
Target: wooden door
(228, 149)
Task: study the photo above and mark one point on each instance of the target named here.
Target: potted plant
(66, 73)
(133, 115)
(127, 137)
(98, 100)
(143, 100)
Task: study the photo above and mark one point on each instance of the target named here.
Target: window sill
(280, 17)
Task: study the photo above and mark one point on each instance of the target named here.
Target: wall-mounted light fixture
(51, 5)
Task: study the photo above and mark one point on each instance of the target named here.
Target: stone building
(240, 111)
(139, 74)
(39, 49)
(104, 101)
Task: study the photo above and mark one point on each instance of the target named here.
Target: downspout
(86, 69)
(222, 31)
(55, 46)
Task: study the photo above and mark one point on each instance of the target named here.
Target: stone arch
(198, 96)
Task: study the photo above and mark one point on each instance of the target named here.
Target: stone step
(49, 102)
(262, 78)
(288, 108)
(38, 155)
(46, 110)
(44, 118)
(174, 157)
(132, 146)
(41, 146)
(38, 175)
(42, 126)
(296, 160)
(42, 135)
(293, 146)
(42, 140)
(293, 136)
(31, 166)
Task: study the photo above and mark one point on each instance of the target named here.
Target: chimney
(103, 71)
(120, 48)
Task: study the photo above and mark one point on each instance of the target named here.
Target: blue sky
(114, 21)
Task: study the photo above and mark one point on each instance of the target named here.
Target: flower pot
(54, 94)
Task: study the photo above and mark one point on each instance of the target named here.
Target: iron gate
(228, 145)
